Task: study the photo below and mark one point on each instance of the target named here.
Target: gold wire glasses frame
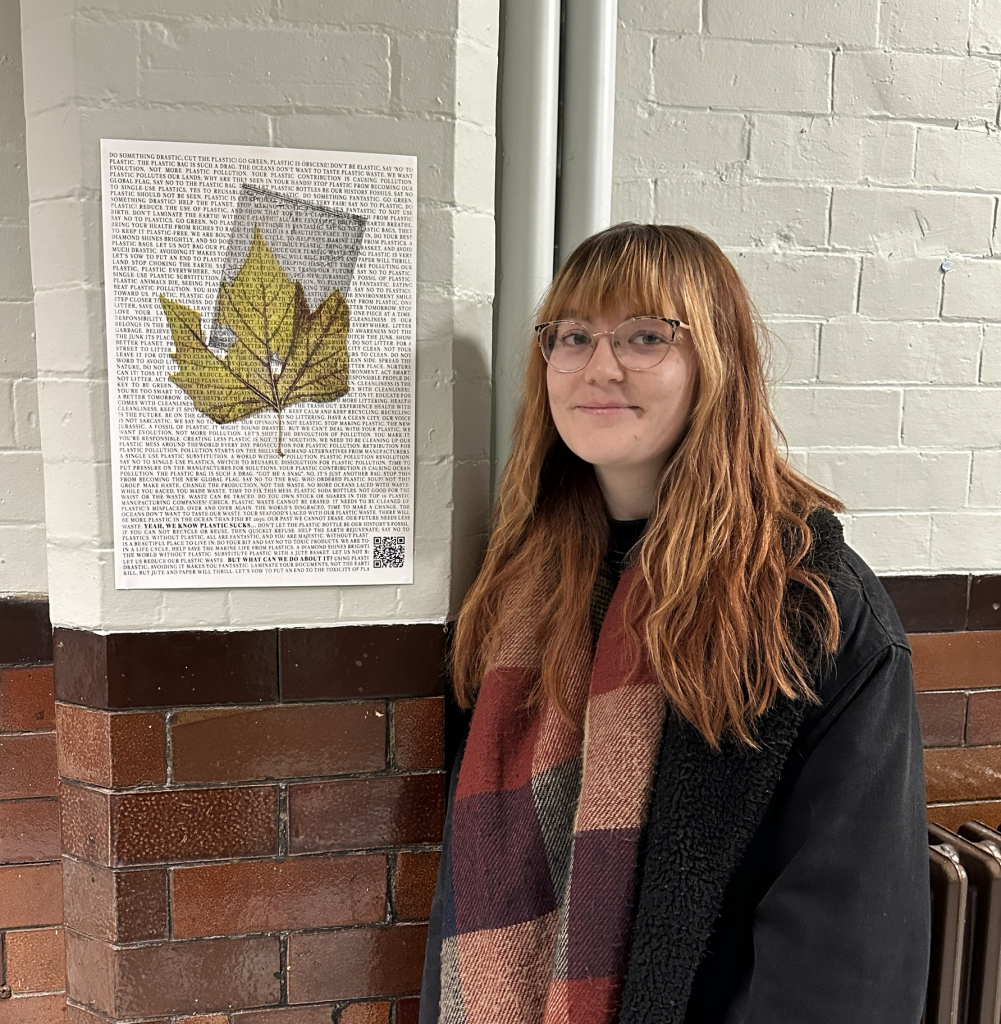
(639, 343)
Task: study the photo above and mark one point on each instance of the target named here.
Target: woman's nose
(603, 365)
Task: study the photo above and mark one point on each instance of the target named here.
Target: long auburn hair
(727, 537)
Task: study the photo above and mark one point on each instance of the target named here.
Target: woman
(692, 785)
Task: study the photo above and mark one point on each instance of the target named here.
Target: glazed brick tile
(376, 1012)
(952, 815)
(193, 824)
(112, 749)
(29, 831)
(983, 718)
(356, 814)
(985, 602)
(957, 661)
(355, 963)
(943, 718)
(929, 604)
(27, 766)
(36, 961)
(82, 1015)
(263, 896)
(49, 1009)
(116, 906)
(90, 973)
(165, 669)
(27, 702)
(25, 632)
(963, 773)
(362, 661)
(31, 895)
(318, 1013)
(413, 884)
(279, 742)
(85, 822)
(408, 1011)
(173, 825)
(419, 733)
(198, 977)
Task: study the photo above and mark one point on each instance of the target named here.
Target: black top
(623, 534)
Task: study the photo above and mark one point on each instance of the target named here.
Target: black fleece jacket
(787, 885)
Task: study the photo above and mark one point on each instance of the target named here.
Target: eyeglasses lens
(639, 344)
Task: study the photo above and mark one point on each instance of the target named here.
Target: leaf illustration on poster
(282, 352)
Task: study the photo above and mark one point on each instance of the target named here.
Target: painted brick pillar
(250, 822)
(250, 811)
(31, 906)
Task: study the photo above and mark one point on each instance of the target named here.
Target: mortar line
(282, 821)
(390, 882)
(170, 901)
(168, 745)
(831, 97)
(395, 101)
(390, 706)
(283, 968)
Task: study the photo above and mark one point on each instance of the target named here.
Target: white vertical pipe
(588, 120)
(529, 96)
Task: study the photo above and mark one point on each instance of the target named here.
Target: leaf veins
(283, 352)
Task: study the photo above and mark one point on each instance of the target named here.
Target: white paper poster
(261, 344)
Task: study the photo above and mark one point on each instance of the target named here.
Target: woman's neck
(629, 491)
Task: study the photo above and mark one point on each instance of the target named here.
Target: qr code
(387, 552)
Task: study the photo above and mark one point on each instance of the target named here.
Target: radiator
(964, 982)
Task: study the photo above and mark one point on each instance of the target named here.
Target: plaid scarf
(540, 893)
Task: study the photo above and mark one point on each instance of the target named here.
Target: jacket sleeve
(842, 932)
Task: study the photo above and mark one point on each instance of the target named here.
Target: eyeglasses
(639, 343)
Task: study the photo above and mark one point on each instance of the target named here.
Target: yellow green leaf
(213, 386)
(317, 366)
(282, 352)
(259, 308)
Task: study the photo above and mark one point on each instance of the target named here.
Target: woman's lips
(604, 410)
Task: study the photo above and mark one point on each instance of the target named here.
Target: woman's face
(625, 422)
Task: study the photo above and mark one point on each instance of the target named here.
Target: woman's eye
(647, 339)
(573, 339)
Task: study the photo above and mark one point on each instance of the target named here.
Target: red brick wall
(250, 820)
(958, 677)
(263, 862)
(32, 970)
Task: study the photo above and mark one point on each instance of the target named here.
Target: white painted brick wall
(796, 22)
(943, 26)
(22, 513)
(855, 350)
(700, 71)
(841, 153)
(372, 76)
